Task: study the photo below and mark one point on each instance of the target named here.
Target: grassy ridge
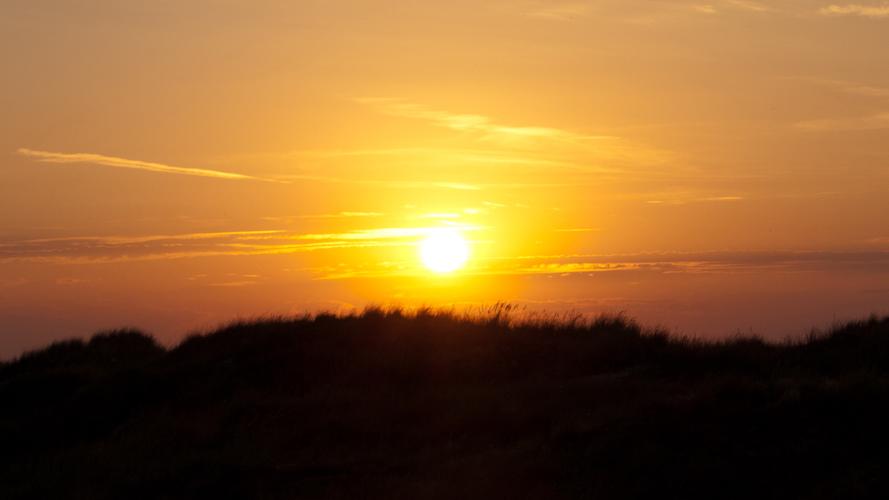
(430, 404)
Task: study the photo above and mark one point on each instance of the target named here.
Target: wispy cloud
(115, 240)
(700, 263)
(723, 198)
(530, 162)
(651, 12)
(726, 6)
(878, 240)
(704, 9)
(116, 162)
(484, 125)
(121, 248)
(458, 186)
(750, 5)
(684, 200)
(877, 121)
(874, 121)
(846, 86)
(489, 157)
(538, 146)
(383, 233)
(713, 263)
(871, 11)
(125, 248)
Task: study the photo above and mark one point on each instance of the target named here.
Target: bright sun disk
(444, 251)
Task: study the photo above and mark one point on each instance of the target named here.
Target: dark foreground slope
(433, 406)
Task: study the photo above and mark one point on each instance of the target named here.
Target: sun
(444, 251)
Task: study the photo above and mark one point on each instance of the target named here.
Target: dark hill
(433, 405)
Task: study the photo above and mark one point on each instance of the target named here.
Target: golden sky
(707, 166)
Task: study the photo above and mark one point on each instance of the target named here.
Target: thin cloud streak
(457, 186)
(129, 240)
(878, 121)
(116, 162)
(654, 12)
(846, 86)
(708, 262)
(871, 11)
(115, 248)
(383, 233)
(685, 201)
(474, 123)
(450, 156)
(539, 146)
(666, 263)
(704, 9)
(750, 6)
(63, 256)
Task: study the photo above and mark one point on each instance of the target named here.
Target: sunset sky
(712, 167)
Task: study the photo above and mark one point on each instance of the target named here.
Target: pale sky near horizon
(712, 167)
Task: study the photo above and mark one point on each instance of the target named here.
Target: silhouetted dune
(390, 404)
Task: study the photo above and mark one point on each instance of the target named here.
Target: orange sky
(707, 166)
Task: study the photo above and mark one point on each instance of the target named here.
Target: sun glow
(444, 251)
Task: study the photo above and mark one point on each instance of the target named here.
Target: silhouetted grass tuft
(432, 403)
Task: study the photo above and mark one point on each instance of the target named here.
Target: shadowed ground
(388, 404)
